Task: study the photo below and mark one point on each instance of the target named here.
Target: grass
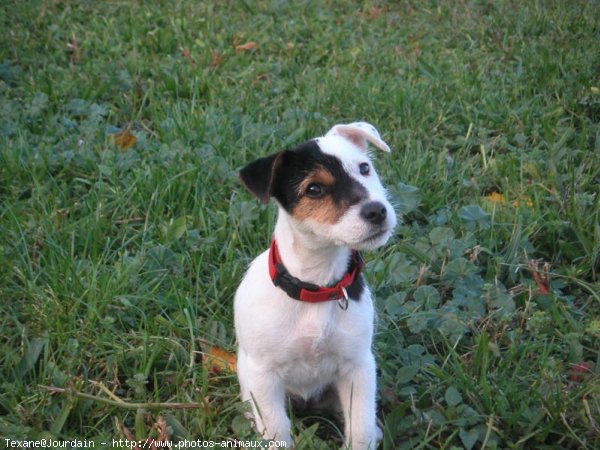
(119, 259)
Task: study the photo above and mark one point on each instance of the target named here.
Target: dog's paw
(286, 441)
(366, 443)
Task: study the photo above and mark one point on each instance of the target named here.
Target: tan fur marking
(320, 176)
(322, 210)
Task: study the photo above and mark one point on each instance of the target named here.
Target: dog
(303, 314)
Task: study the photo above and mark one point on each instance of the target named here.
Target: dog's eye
(314, 190)
(364, 168)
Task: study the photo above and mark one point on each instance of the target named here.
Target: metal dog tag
(343, 302)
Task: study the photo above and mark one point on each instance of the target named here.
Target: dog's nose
(374, 212)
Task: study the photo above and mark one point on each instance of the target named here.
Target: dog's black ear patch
(356, 289)
(259, 175)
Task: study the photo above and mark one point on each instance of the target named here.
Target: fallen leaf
(247, 47)
(259, 78)
(150, 443)
(206, 404)
(542, 282)
(132, 441)
(496, 197)
(374, 12)
(579, 371)
(186, 54)
(473, 253)
(523, 200)
(217, 360)
(216, 58)
(164, 432)
(124, 139)
(74, 51)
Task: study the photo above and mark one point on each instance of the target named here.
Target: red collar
(308, 292)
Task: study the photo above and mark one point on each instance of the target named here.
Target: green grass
(118, 267)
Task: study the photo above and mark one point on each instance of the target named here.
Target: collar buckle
(289, 283)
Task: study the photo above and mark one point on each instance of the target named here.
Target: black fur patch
(259, 176)
(355, 290)
(295, 165)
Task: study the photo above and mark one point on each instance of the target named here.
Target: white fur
(351, 230)
(359, 133)
(291, 347)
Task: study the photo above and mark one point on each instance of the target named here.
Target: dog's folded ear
(259, 175)
(359, 133)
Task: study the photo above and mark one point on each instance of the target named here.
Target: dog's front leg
(356, 391)
(265, 392)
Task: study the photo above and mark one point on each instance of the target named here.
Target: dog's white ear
(359, 133)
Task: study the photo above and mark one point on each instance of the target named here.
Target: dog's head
(329, 187)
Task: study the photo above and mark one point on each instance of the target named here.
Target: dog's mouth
(378, 235)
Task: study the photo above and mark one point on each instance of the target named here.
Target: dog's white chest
(322, 342)
(313, 332)
(312, 357)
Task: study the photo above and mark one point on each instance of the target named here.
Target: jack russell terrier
(303, 313)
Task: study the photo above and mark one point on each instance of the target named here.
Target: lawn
(124, 231)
